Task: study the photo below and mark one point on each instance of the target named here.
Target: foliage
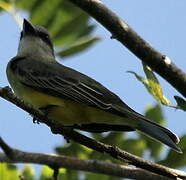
(8, 172)
(70, 28)
(175, 160)
(152, 85)
(139, 145)
(71, 32)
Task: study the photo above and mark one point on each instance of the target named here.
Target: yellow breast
(65, 112)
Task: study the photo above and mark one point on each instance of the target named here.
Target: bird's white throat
(34, 46)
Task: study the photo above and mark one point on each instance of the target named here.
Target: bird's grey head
(35, 41)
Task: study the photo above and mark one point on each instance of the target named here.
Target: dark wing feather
(58, 80)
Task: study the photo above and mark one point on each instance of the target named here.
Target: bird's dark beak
(28, 29)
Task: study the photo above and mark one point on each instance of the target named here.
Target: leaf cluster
(71, 31)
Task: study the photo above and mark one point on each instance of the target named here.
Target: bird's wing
(58, 80)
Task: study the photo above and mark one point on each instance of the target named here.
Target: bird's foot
(69, 128)
(45, 110)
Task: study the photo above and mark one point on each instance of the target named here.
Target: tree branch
(87, 165)
(121, 31)
(113, 151)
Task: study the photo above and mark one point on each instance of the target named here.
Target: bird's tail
(159, 133)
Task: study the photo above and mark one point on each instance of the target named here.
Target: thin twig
(121, 31)
(114, 152)
(88, 165)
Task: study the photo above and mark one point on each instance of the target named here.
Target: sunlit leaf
(62, 174)
(8, 172)
(28, 172)
(9, 7)
(152, 85)
(5, 5)
(46, 173)
(149, 73)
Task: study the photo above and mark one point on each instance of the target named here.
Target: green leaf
(112, 138)
(63, 16)
(74, 149)
(78, 47)
(174, 159)
(87, 31)
(8, 172)
(6, 6)
(152, 85)
(139, 78)
(71, 174)
(46, 173)
(62, 174)
(25, 5)
(28, 172)
(149, 73)
(41, 7)
(134, 146)
(70, 31)
(181, 103)
(156, 115)
(9, 7)
(68, 25)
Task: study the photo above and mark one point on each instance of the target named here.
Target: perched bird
(69, 97)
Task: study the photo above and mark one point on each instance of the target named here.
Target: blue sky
(161, 23)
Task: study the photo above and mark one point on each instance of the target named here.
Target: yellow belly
(66, 112)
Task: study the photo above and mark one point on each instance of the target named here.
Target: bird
(70, 98)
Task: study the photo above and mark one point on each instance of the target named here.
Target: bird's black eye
(43, 36)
